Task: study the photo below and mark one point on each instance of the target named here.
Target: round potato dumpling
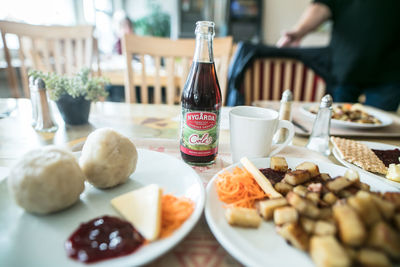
(108, 158)
(46, 180)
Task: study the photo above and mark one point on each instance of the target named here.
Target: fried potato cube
(301, 190)
(363, 186)
(386, 208)
(351, 252)
(351, 229)
(285, 215)
(393, 197)
(303, 206)
(352, 175)
(313, 197)
(297, 177)
(325, 213)
(326, 251)
(312, 211)
(283, 188)
(329, 198)
(397, 221)
(345, 193)
(295, 234)
(385, 238)
(365, 207)
(373, 258)
(310, 167)
(338, 184)
(307, 224)
(315, 187)
(279, 164)
(243, 217)
(324, 228)
(266, 207)
(325, 176)
(296, 201)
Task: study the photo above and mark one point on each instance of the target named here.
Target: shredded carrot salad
(174, 212)
(238, 188)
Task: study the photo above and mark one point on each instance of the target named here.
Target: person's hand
(289, 39)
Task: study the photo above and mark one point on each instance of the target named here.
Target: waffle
(358, 154)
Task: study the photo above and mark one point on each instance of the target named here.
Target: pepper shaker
(285, 113)
(45, 122)
(34, 100)
(319, 138)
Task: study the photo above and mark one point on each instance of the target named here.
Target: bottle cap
(287, 96)
(326, 101)
(205, 27)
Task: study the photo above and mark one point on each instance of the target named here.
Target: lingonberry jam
(103, 238)
(273, 175)
(388, 156)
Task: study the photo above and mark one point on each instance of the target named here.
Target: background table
(154, 127)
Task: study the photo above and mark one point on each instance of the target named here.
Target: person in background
(365, 48)
(121, 25)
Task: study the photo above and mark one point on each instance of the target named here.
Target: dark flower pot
(74, 111)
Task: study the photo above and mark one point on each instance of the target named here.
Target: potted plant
(73, 95)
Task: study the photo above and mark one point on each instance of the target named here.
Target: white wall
(282, 15)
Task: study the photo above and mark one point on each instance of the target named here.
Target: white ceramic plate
(372, 145)
(263, 246)
(31, 240)
(385, 119)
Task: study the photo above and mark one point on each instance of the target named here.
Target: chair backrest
(176, 55)
(267, 78)
(60, 49)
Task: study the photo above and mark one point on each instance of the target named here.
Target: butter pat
(394, 172)
(142, 208)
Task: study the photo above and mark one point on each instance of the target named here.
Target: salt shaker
(319, 138)
(285, 113)
(44, 122)
(34, 99)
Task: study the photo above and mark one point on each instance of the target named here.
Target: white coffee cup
(252, 130)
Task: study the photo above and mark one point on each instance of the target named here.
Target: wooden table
(159, 125)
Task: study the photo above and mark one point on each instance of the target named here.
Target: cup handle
(289, 126)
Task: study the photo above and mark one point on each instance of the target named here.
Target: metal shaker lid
(326, 101)
(41, 85)
(287, 96)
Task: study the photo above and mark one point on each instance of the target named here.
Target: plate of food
(103, 221)
(304, 213)
(381, 161)
(351, 115)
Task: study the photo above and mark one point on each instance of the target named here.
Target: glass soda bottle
(201, 102)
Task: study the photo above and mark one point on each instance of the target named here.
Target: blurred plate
(263, 246)
(372, 145)
(384, 118)
(34, 240)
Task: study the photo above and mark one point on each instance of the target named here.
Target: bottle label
(199, 132)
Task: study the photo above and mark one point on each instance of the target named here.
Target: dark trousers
(386, 97)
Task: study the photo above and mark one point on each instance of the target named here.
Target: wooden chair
(177, 56)
(267, 78)
(60, 49)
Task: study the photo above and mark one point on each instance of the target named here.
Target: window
(99, 13)
(42, 12)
